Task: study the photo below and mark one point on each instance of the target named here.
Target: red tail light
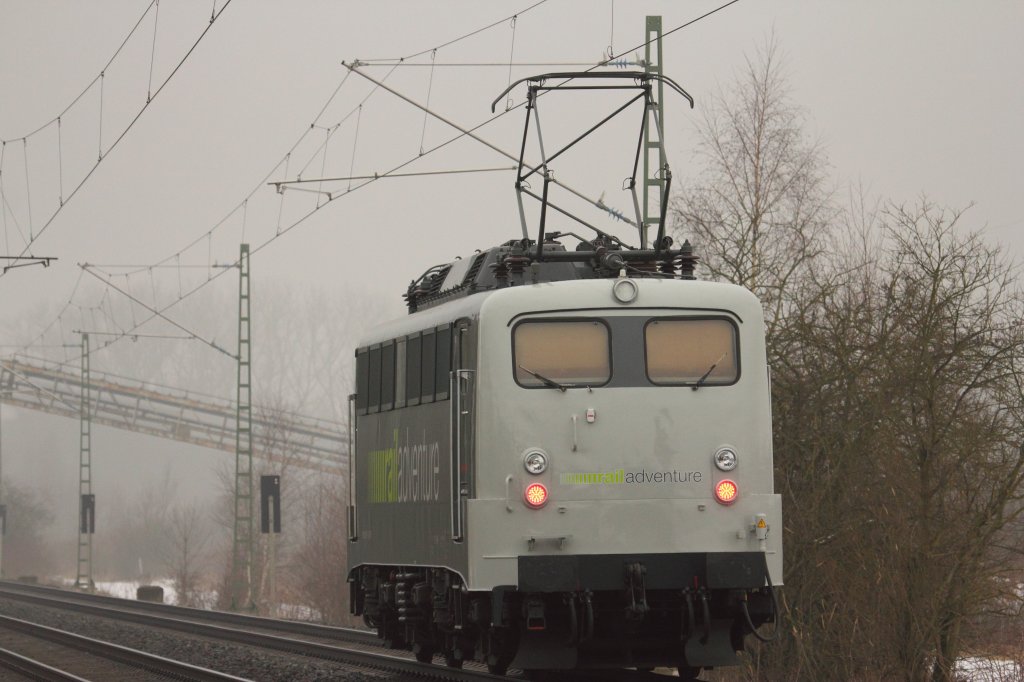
(536, 495)
(726, 491)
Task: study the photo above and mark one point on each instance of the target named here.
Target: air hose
(775, 613)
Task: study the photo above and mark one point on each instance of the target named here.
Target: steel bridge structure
(175, 414)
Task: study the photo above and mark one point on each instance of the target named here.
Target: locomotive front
(568, 474)
(624, 471)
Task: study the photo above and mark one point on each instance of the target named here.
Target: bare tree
(136, 545)
(759, 211)
(186, 554)
(321, 556)
(897, 355)
(29, 515)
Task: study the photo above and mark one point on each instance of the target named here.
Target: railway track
(50, 654)
(357, 648)
(273, 625)
(305, 640)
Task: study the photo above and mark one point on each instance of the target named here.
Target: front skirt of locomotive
(642, 610)
(630, 582)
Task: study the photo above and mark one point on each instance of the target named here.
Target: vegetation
(897, 356)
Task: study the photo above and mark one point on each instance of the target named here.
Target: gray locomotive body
(562, 472)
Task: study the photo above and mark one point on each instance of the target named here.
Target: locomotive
(562, 460)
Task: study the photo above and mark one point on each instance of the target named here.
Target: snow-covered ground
(982, 669)
(126, 589)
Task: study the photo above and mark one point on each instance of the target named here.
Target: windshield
(682, 351)
(564, 352)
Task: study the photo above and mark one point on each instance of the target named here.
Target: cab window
(573, 353)
(683, 351)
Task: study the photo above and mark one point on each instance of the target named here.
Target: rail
(143, 613)
(113, 652)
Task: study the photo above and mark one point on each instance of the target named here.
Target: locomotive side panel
(405, 490)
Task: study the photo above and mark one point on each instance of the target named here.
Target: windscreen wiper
(703, 378)
(547, 382)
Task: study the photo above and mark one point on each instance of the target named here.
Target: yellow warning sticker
(761, 523)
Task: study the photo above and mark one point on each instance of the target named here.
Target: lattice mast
(656, 171)
(242, 554)
(86, 501)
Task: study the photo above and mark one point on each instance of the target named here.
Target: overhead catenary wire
(152, 52)
(470, 132)
(503, 65)
(158, 313)
(91, 83)
(611, 31)
(355, 139)
(172, 337)
(430, 88)
(511, 56)
(60, 164)
(301, 219)
(28, 185)
(377, 176)
(127, 129)
(475, 32)
(357, 110)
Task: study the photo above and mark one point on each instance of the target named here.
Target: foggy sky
(907, 98)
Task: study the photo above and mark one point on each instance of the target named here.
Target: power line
(364, 62)
(208, 234)
(92, 82)
(157, 313)
(463, 36)
(65, 200)
(283, 184)
(183, 295)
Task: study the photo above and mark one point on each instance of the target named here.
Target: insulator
(687, 261)
(517, 264)
(500, 270)
(616, 214)
(622, 63)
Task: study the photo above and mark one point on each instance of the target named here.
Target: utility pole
(654, 173)
(3, 507)
(242, 552)
(86, 499)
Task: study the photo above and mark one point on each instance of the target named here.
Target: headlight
(725, 459)
(535, 462)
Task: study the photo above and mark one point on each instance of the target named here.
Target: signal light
(536, 495)
(726, 491)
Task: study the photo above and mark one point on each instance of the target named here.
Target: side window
(443, 364)
(373, 403)
(387, 376)
(362, 380)
(429, 362)
(400, 360)
(413, 363)
(688, 350)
